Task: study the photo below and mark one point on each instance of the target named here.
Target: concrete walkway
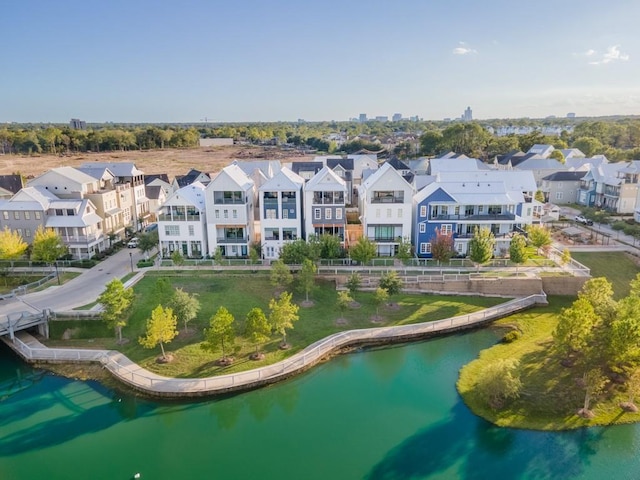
(156, 385)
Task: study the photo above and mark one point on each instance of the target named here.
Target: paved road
(80, 291)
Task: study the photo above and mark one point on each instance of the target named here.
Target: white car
(133, 243)
(581, 219)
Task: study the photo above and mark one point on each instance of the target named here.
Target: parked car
(151, 227)
(581, 219)
(133, 243)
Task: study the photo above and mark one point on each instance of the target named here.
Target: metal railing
(121, 367)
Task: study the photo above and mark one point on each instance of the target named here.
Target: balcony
(232, 240)
(82, 239)
(385, 239)
(505, 217)
(177, 218)
(387, 200)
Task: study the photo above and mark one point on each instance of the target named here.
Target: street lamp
(131, 258)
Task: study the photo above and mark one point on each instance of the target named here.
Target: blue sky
(244, 60)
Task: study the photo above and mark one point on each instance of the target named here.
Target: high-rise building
(77, 124)
(571, 115)
(396, 117)
(467, 116)
(362, 117)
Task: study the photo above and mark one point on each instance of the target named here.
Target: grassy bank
(240, 293)
(550, 395)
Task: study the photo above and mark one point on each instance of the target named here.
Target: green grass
(17, 279)
(616, 266)
(240, 293)
(550, 396)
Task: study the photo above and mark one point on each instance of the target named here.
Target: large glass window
(228, 197)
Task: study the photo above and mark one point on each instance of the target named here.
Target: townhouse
(280, 200)
(562, 187)
(324, 205)
(229, 202)
(182, 224)
(386, 209)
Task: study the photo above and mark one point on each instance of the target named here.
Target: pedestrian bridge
(18, 321)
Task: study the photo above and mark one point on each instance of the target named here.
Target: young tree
(391, 282)
(442, 247)
(599, 293)
(185, 306)
(257, 328)
(518, 250)
(282, 315)
(294, 253)
(344, 300)
(481, 246)
(148, 241)
(499, 382)
(11, 247)
(177, 258)
(634, 285)
(116, 301)
(565, 257)
(161, 329)
(329, 246)
(539, 196)
(280, 275)
(307, 277)
(217, 256)
(353, 283)
(381, 296)
(220, 332)
(625, 332)
(404, 250)
(539, 236)
(163, 291)
(363, 251)
(47, 247)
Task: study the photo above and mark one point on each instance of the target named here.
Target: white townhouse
(280, 212)
(79, 226)
(132, 198)
(182, 222)
(325, 197)
(386, 201)
(230, 200)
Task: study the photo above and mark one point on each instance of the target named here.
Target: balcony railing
(385, 239)
(232, 240)
(70, 239)
(228, 201)
(388, 200)
(178, 218)
(483, 216)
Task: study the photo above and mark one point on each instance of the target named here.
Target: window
(457, 210)
(235, 213)
(27, 216)
(459, 247)
(399, 213)
(529, 212)
(423, 228)
(58, 212)
(285, 213)
(71, 211)
(388, 213)
(37, 215)
(289, 234)
(172, 230)
(425, 248)
(317, 215)
(217, 213)
(271, 213)
(27, 232)
(5, 215)
(377, 213)
(558, 195)
(272, 234)
(327, 213)
(16, 215)
(494, 210)
(445, 229)
(192, 231)
(480, 209)
(423, 210)
(225, 213)
(19, 230)
(338, 214)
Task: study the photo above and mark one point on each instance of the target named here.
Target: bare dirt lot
(170, 161)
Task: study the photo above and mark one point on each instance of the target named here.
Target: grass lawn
(550, 396)
(240, 293)
(616, 266)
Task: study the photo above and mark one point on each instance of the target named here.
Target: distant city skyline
(246, 61)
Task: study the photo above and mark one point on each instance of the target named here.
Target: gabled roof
(283, 181)
(99, 173)
(192, 176)
(298, 167)
(541, 149)
(421, 181)
(474, 190)
(385, 169)
(153, 176)
(37, 194)
(119, 169)
(325, 179)
(452, 155)
(235, 174)
(572, 153)
(268, 167)
(346, 163)
(519, 180)
(466, 164)
(11, 183)
(71, 173)
(540, 164)
(192, 194)
(398, 164)
(576, 163)
(572, 176)
(152, 192)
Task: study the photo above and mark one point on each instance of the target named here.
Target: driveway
(82, 290)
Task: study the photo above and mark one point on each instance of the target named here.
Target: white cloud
(589, 53)
(613, 54)
(463, 49)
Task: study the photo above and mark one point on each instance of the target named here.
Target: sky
(282, 60)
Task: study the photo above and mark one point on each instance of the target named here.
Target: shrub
(511, 336)
(144, 263)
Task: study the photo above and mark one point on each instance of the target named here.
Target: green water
(388, 414)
